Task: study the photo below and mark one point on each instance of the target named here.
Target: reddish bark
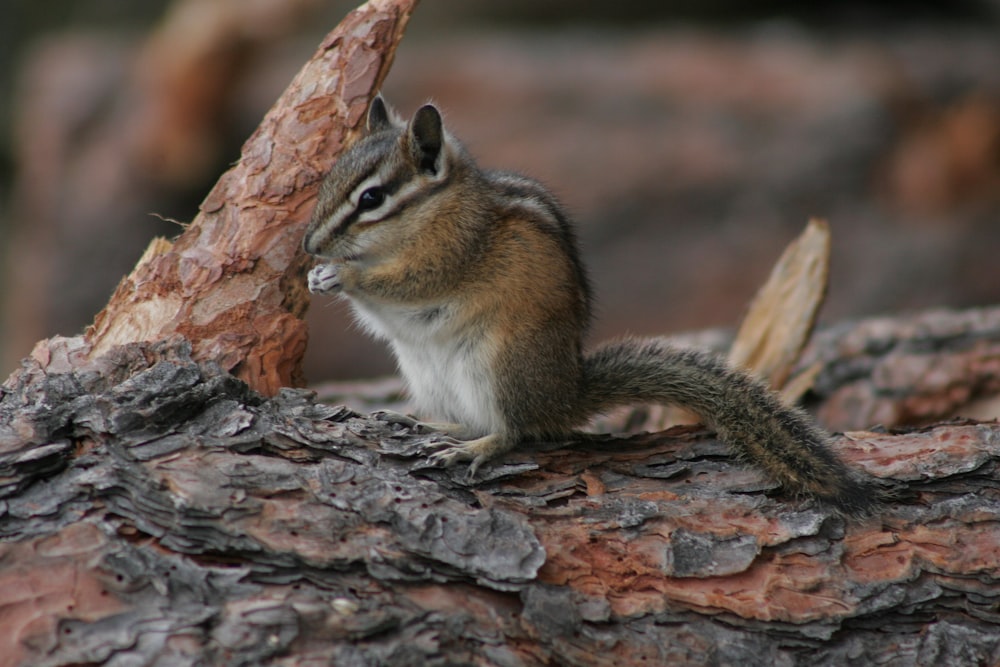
(232, 282)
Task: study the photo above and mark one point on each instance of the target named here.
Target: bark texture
(232, 283)
(155, 510)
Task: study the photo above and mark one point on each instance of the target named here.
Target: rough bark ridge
(155, 510)
(232, 282)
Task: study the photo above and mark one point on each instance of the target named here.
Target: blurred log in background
(712, 135)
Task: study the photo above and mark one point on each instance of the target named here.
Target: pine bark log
(156, 510)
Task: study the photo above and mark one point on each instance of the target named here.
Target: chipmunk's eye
(371, 198)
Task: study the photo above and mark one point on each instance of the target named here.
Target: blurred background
(690, 140)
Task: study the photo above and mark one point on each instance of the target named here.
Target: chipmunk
(475, 280)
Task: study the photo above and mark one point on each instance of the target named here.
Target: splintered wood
(782, 314)
(232, 283)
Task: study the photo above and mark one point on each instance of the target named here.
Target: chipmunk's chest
(445, 360)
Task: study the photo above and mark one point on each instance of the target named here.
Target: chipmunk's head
(383, 188)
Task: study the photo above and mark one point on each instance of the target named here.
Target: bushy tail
(745, 414)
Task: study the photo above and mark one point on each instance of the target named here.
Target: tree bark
(232, 283)
(158, 511)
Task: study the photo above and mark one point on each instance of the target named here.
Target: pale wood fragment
(782, 315)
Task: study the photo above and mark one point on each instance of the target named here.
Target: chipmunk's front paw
(325, 279)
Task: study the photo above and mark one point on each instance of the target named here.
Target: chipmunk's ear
(427, 139)
(379, 117)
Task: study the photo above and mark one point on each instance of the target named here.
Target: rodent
(475, 280)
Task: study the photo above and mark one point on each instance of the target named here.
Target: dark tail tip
(859, 497)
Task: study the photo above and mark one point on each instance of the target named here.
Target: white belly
(447, 371)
